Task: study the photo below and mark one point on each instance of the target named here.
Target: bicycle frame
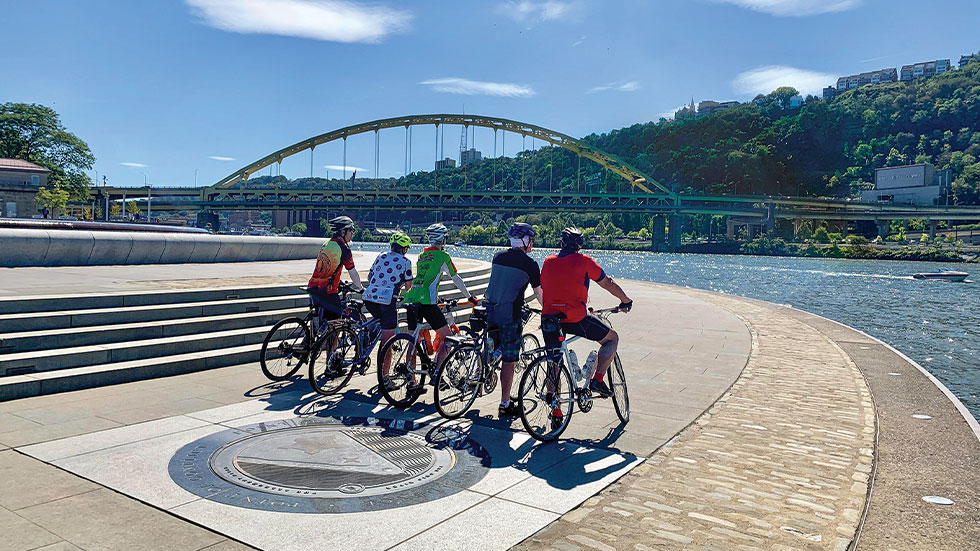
(451, 322)
(562, 353)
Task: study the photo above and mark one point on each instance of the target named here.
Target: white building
(906, 185)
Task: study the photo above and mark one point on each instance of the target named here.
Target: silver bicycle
(549, 391)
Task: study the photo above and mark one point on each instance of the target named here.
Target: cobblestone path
(782, 461)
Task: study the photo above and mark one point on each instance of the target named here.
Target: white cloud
(331, 20)
(796, 8)
(527, 11)
(454, 85)
(763, 80)
(630, 86)
(220, 158)
(134, 165)
(579, 41)
(349, 169)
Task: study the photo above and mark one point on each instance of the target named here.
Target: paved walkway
(782, 461)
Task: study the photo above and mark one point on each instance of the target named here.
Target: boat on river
(945, 275)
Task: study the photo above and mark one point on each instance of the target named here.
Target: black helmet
(520, 230)
(340, 224)
(571, 238)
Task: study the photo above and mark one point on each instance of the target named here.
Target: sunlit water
(936, 323)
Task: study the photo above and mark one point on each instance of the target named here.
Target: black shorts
(588, 327)
(430, 313)
(327, 304)
(386, 313)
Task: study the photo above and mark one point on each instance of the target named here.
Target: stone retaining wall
(22, 247)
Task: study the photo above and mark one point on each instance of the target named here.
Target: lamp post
(148, 209)
(195, 177)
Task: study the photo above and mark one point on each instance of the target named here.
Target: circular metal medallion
(320, 465)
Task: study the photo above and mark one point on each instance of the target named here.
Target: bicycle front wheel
(459, 381)
(547, 398)
(334, 360)
(285, 348)
(617, 382)
(401, 354)
(528, 342)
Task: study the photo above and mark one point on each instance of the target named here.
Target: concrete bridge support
(933, 224)
(659, 233)
(674, 235)
(884, 227)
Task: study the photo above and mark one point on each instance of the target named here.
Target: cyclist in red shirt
(565, 284)
(324, 285)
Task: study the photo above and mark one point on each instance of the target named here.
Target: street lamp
(148, 209)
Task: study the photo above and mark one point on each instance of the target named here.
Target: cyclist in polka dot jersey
(389, 272)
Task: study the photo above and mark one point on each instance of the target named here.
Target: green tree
(299, 228)
(55, 199)
(34, 133)
(820, 235)
(115, 209)
(132, 208)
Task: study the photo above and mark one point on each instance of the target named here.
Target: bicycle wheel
(459, 381)
(528, 342)
(547, 398)
(285, 349)
(617, 382)
(397, 353)
(334, 360)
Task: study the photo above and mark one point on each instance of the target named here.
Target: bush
(820, 235)
(835, 237)
(856, 240)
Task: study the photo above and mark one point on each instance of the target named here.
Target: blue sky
(211, 85)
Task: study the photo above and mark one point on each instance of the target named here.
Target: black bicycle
(470, 370)
(344, 349)
(289, 343)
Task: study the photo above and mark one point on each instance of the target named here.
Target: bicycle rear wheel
(529, 342)
(399, 355)
(285, 349)
(459, 381)
(547, 398)
(332, 367)
(617, 382)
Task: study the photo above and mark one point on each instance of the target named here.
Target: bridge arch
(635, 177)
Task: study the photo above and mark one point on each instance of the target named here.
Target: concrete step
(52, 303)
(49, 339)
(34, 321)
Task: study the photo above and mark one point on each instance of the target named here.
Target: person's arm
(539, 295)
(451, 270)
(356, 278)
(615, 290)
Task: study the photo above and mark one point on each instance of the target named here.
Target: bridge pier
(884, 227)
(933, 225)
(659, 233)
(674, 233)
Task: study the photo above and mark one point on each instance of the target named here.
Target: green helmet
(400, 239)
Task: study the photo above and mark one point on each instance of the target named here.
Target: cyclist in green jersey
(422, 299)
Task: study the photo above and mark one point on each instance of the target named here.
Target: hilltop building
(906, 185)
(925, 69)
(469, 156)
(881, 76)
(708, 107)
(19, 182)
(446, 163)
(964, 59)
(830, 93)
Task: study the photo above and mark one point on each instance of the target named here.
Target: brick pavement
(782, 461)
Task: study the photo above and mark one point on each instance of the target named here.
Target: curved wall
(30, 247)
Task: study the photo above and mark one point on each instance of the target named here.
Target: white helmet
(436, 234)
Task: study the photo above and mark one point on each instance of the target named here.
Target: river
(936, 323)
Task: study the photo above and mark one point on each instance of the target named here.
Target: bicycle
(529, 342)
(401, 353)
(288, 344)
(469, 370)
(548, 386)
(351, 340)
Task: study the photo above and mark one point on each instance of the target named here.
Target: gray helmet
(520, 230)
(340, 224)
(436, 234)
(571, 238)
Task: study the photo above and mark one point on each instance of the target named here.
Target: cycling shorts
(386, 313)
(327, 304)
(430, 313)
(589, 327)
